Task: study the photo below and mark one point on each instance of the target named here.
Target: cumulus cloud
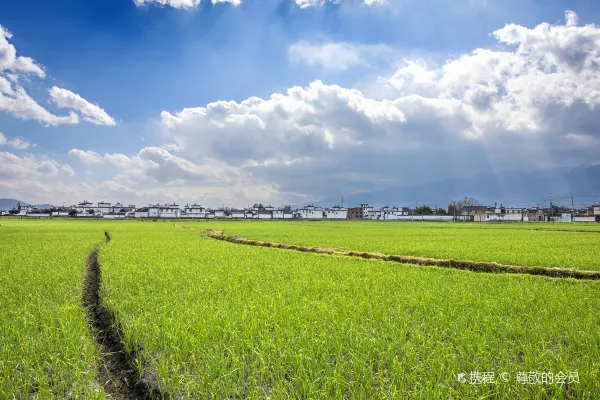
(158, 165)
(530, 102)
(317, 3)
(336, 55)
(182, 4)
(11, 62)
(304, 121)
(85, 157)
(16, 142)
(28, 166)
(191, 4)
(18, 103)
(15, 100)
(545, 73)
(510, 107)
(91, 112)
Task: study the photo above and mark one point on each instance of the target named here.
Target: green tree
(423, 210)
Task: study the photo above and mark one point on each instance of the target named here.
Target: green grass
(516, 244)
(211, 319)
(46, 350)
(215, 320)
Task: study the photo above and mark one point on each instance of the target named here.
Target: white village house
(336, 212)
(311, 212)
(237, 214)
(193, 211)
(164, 211)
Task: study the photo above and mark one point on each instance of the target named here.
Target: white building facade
(311, 212)
(336, 212)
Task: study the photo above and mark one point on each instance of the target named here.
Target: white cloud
(530, 102)
(490, 109)
(158, 165)
(303, 121)
(85, 157)
(550, 66)
(317, 3)
(91, 112)
(182, 4)
(191, 4)
(571, 18)
(336, 56)
(15, 100)
(13, 166)
(16, 142)
(11, 62)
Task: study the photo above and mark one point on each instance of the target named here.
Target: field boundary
(119, 375)
(475, 266)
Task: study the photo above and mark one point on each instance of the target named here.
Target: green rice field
(45, 346)
(211, 319)
(535, 244)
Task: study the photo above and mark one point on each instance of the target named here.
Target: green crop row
(46, 349)
(515, 244)
(212, 319)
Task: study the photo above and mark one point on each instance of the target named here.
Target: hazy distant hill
(9, 204)
(513, 188)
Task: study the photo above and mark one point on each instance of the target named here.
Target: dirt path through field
(118, 373)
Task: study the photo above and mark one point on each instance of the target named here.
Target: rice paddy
(513, 244)
(211, 319)
(45, 346)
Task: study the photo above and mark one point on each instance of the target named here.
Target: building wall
(60, 214)
(585, 219)
(336, 214)
(513, 217)
(354, 213)
(423, 218)
(168, 213)
(197, 215)
(311, 214)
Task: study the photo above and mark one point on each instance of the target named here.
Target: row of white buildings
(311, 212)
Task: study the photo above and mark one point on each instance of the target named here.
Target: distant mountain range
(9, 204)
(512, 188)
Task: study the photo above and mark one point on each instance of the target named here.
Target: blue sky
(136, 62)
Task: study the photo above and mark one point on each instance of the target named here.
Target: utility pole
(551, 209)
(572, 209)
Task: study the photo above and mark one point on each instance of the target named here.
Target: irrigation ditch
(475, 266)
(118, 373)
